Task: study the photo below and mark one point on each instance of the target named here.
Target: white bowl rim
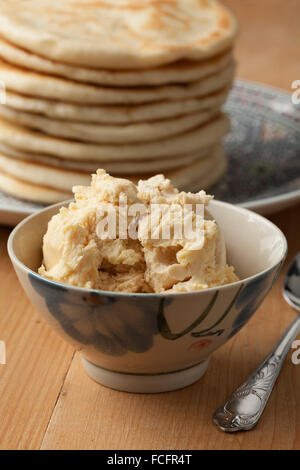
(84, 290)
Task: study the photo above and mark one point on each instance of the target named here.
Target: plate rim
(259, 84)
(270, 201)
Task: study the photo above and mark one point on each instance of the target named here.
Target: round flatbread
(178, 72)
(124, 168)
(211, 177)
(30, 192)
(36, 173)
(192, 141)
(118, 34)
(200, 174)
(110, 133)
(50, 87)
(63, 181)
(114, 114)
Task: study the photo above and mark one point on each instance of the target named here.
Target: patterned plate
(263, 149)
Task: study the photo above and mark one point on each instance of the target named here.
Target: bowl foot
(145, 383)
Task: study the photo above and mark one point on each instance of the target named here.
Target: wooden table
(48, 402)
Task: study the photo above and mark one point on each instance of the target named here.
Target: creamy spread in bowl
(122, 237)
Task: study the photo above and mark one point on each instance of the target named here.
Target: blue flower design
(111, 324)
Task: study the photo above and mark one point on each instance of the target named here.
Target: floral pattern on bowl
(111, 325)
(116, 325)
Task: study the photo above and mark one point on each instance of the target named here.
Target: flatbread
(201, 174)
(30, 192)
(110, 133)
(63, 180)
(124, 168)
(210, 178)
(114, 114)
(44, 175)
(178, 72)
(50, 87)
(118, 34)
(203, 137)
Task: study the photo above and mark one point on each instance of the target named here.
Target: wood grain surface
(48, 402)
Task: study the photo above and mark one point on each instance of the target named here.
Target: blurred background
(268, 46)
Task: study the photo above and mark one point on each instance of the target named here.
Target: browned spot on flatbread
(203, 3)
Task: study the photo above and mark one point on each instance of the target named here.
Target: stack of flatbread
(134, 87)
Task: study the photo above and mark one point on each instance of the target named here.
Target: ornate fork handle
(243, 409)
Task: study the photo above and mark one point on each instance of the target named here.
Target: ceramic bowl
(153, 342)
